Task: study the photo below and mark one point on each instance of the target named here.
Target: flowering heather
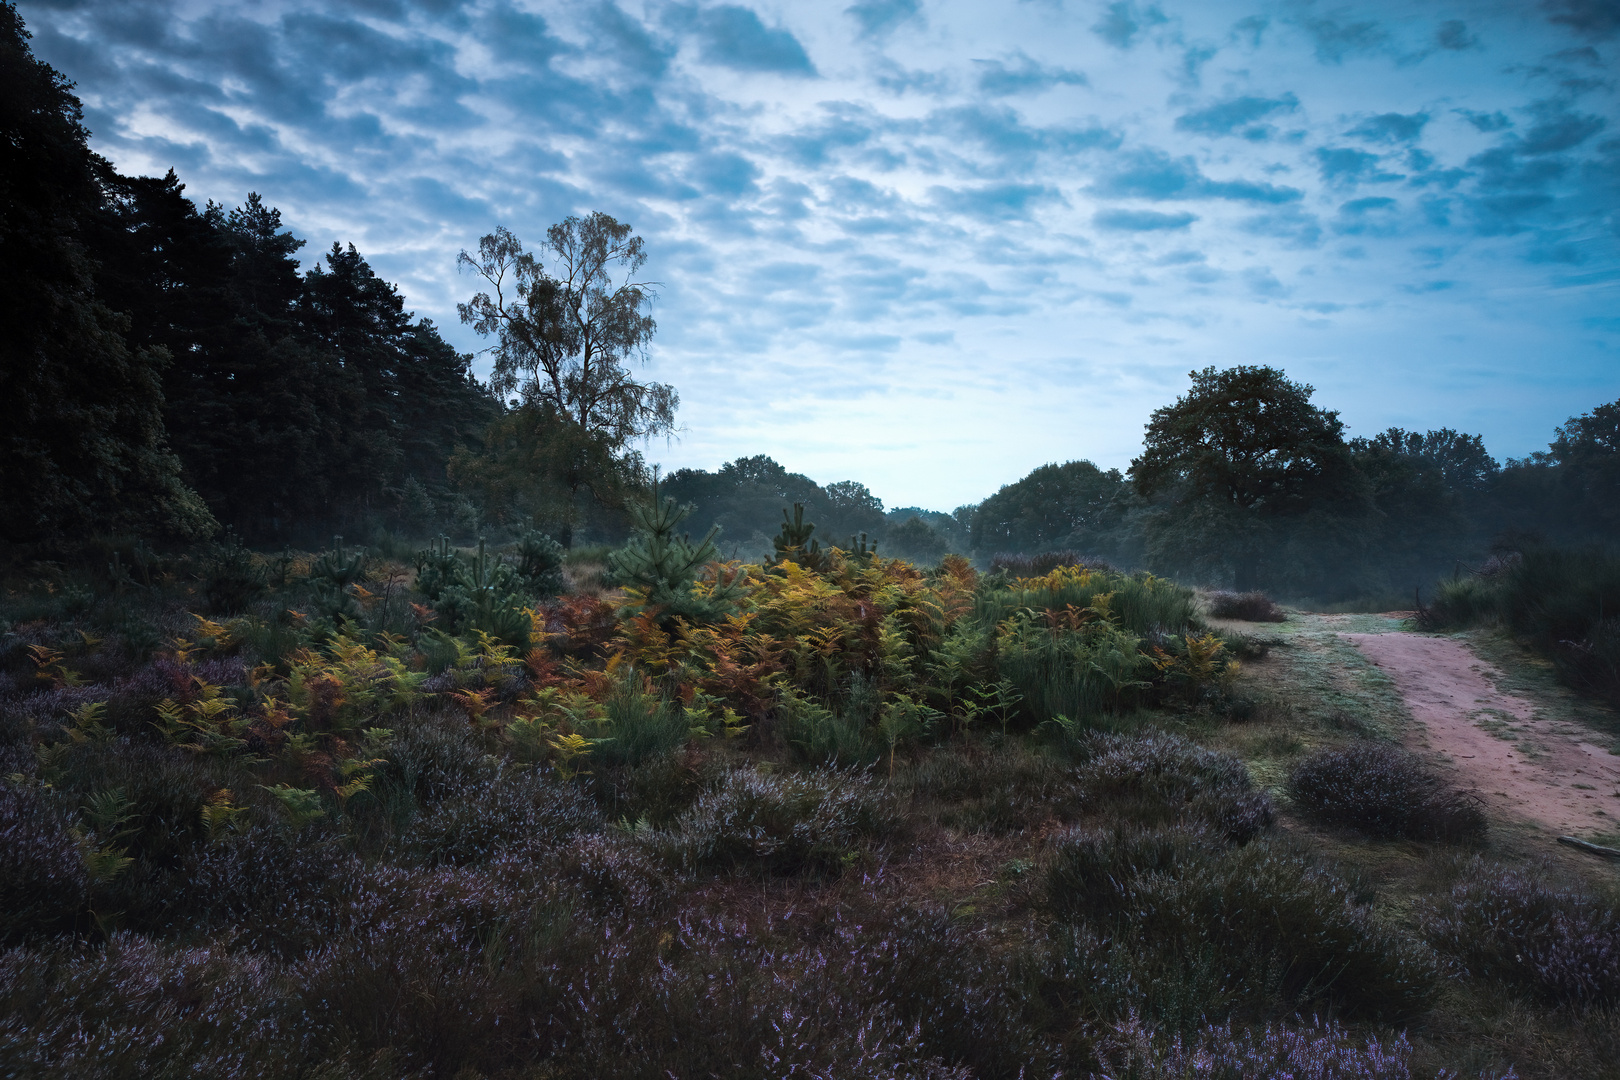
(1385, 791)
(1511, 927)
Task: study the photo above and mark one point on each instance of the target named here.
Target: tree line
(1245, 482)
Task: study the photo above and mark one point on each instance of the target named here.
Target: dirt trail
(1523, 763)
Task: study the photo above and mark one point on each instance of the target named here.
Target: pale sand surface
(1522, 762)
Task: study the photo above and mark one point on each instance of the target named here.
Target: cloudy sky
(931, 244)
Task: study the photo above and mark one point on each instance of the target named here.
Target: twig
(1590, 849)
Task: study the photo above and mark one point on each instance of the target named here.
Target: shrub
(1079, 673)
(539, 563)
(1159, 778)
(1511, 927)
(231, 577)
(434, 757)
(1245, 607)
(1561, 600)
(1385, 791)
(1170, 923)
(513, 811)
(43, 884)
(769, 824)
(1139, 604)
(1317, 1052)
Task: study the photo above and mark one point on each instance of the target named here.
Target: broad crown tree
(1242, 464)
(566, 339)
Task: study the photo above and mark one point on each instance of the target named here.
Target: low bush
(762, 823)
(44, 887)
(1157, 778)
(1245, 607)
(515, 810)
(1316, 1052)
(1385, 791)
(1179, 927)
(825, 736)
(1511, 927)
(640, 723)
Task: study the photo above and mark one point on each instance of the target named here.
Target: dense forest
(562, 767)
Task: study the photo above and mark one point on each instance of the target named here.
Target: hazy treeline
(1372, 515)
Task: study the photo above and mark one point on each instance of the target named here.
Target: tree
(567, 341)
(1425, 486)
(565, 344)
(1250, 477)
(1074, 505)
(82, 442)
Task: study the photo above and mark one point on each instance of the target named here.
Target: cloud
(1003, 133)
(723, 173)
(881, 17)
(1296, 228)
(1023, 76)
(1224, 118)
(1336, 40)
(1454, 36)
(1122, 21)
(1153, 174)
(1372, 215)
(1344, 166)
(734, 37)
(1390, 127)
(1141, 220)
(1557, 129)
(1262, 282)
(1001, 201)
(1492, 121)
(1597, 20)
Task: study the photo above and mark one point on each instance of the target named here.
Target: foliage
(1562, 601)
(1385, 791)
(1241, 462)
(1159, 779)
(794, 544)
(232, 577)
(1073, 505)
(764, 823)
(1186, 929)
(1512, 927)
(1245, 607)
(1220, 1052)
(44, 880)
(85, 446)
(660, 568)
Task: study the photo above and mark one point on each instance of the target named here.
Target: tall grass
(1078, 674)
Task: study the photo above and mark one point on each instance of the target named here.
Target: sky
(931, 245)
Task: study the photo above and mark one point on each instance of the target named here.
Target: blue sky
(932, 245)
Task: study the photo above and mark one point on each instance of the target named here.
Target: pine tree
(661, 566)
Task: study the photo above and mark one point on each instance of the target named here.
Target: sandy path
(1521, 762)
